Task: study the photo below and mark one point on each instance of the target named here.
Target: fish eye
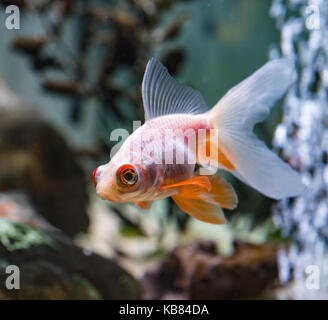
(127, 175)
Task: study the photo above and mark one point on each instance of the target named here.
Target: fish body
(158, 160)
(146, 148)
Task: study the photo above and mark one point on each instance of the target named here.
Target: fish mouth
(109, 194)
(93, 177)
(115, 195)
(104, 196)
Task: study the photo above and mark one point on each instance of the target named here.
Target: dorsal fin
(163, 95)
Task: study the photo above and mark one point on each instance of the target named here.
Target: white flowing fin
(237, 175)
(163, 95)
(235, 116)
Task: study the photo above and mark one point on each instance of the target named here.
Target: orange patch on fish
(216, 157)
(222, 159)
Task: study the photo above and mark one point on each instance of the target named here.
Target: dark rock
(51, 266)
(35, 158)
(173, 60)
(198, 272)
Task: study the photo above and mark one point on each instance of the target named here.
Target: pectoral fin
(201, 210)
(202, 197)
(144, 205)
(195, 182)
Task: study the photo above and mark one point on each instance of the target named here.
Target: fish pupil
(128, 176)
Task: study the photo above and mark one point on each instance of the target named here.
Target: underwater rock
(173, 60)
(68, 88)
(196, 271)
(29, 45)
(50, 265)
(35, 158)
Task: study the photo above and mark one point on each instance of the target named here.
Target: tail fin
(235, 116)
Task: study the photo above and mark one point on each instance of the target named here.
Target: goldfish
(154, 163)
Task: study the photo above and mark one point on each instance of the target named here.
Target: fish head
(126, 181)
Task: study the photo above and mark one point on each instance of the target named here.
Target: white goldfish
(139, 173)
